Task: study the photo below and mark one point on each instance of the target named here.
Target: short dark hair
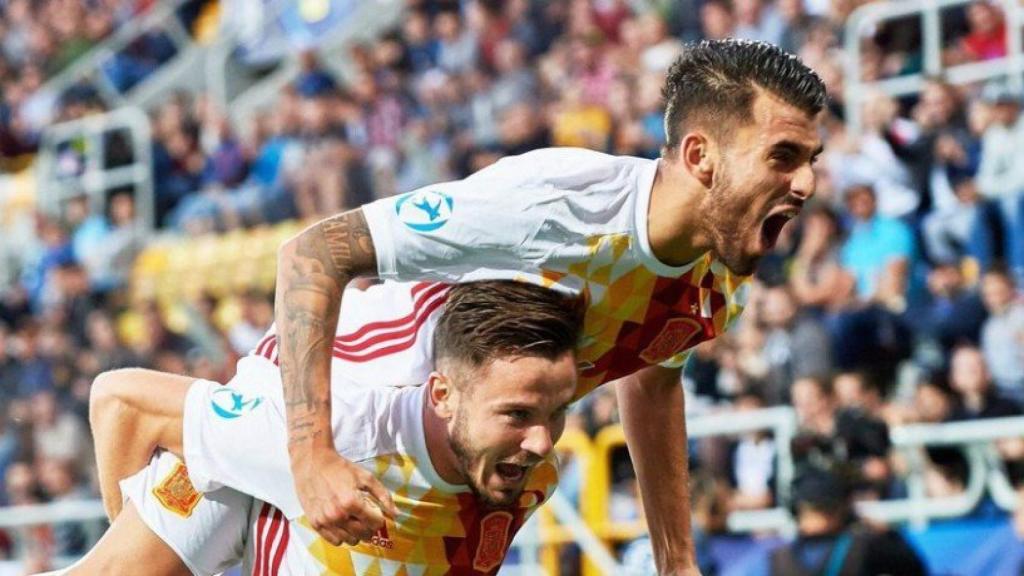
(483, 321)
(713, 84)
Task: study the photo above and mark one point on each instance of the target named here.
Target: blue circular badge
(424, 210)
(229, 404)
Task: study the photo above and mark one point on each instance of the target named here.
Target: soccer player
(659, 249)
(468, 456)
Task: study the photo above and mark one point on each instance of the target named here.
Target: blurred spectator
(796, 345)
(879, 249)
(876, 163)
(457, 48)
(256, 316)
(58, 483)
(955, 313)
(986, 36)
(59, 435)
(110, 353)
(758, 20)
(969, 377)
(934, 402)
(1002, 335)
(1001, 176)
(753, 463)
(829, 541)
(819, 282)
(855, 391)
(34, 371)
(815, 408)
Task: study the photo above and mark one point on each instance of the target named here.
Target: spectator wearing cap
(830, 543)
(1001, 173)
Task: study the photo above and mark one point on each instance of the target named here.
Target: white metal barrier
(867, 17)
(367, 21)
(985, 470)
(88, 138)
(161, 17)
(976, 438)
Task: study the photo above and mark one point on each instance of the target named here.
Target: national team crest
(494, 536)
(176, 492)
(673, 339)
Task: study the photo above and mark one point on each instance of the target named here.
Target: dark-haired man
(660, 249)
(468, 456)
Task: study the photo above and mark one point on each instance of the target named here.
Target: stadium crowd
(893, 299)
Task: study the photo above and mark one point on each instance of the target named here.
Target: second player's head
(505, 375)
(741, 120)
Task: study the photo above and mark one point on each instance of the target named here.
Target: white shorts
(207, 531)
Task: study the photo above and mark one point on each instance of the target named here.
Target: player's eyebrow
(797, 148)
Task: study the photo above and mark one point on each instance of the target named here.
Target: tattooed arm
(312, 272)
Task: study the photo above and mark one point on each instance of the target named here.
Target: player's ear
(696, 152)
(440, 392)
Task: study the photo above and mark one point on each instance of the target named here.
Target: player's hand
(344, 503)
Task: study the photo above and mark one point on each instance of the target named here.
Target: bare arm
(651, 405)
(131, 413)
(312, 272)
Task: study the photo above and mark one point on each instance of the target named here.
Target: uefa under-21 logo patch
(425, 210)
(229, 404)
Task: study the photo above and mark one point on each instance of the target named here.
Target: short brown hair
(483, 321)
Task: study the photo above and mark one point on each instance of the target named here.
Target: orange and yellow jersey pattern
(441, 528)
(573, 220)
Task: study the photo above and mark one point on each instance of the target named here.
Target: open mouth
(511, 473)
(772, 227)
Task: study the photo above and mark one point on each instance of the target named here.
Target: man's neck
(439, 449)
(674, 216)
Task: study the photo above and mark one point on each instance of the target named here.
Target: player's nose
(537, 440)
(803, 183)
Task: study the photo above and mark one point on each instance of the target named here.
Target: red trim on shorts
(268, 544)
(260, 524)
(282, 545)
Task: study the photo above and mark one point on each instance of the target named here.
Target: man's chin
(742, 265)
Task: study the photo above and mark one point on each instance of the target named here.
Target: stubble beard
(721, 224)
(458, 441)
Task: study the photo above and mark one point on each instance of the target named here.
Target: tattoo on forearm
(310, 284)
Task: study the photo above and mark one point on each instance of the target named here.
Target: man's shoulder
(563, 164)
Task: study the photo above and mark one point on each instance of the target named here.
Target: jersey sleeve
(515, 216)
(236, 435)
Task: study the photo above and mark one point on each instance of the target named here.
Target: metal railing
(780, 421)
(367, 20)
(86, 145)
(589, 527)
(866, 18)
(89, 67)
(986, 473)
